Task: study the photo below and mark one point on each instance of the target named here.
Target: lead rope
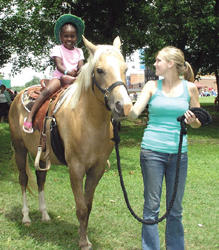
(116, 139)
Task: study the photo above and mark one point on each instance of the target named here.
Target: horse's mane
(72, 94)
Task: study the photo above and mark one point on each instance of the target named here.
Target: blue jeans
(155, 166)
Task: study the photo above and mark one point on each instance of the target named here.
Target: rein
(205, 119)
(116, 139)
(107, 91)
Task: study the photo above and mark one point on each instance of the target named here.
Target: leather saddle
(32, 93)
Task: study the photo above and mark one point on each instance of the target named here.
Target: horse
(84, 122)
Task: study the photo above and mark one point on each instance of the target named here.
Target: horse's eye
(100, 71)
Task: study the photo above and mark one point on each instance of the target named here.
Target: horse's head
(109, 77)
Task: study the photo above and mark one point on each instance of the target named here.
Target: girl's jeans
(155, 166)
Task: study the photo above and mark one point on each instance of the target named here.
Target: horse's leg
(76, 177)
(21, 158)
(41, 179)
(92, 179)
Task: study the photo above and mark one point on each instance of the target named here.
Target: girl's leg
(67, 80)
(51, 88)
(153, 169)
(174, 226)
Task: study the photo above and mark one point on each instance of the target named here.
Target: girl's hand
(73, 73)
(191, 119)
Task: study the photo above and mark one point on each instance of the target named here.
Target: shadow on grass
(57, 232)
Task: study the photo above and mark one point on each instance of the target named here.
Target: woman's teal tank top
(163, 129)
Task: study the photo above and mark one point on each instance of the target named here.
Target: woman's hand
(191, 119)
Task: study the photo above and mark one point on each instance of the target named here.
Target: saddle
(39, 122)
(32, 93)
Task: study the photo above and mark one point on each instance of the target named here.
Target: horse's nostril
(118, 106)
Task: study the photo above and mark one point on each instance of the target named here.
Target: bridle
(107, 91)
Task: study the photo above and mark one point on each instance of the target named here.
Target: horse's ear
(90, 46)
(117, 42)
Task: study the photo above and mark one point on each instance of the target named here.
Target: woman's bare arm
(142, 100)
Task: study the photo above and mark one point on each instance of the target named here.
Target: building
(207, 81)
(135, 73)
(138, 74)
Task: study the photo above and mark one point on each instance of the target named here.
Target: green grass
(111, 226)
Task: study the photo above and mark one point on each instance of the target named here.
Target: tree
(30, 25)
(190, 25)
(34, 81)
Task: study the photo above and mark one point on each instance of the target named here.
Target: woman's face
(68, 36)
(161, 65)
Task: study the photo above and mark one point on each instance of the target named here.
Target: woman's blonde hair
(183, 67)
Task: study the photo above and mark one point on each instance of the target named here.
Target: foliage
(34, 81)
(34, 22)
(189, 25)
(18, 88)
(111, 226)
(27, 28)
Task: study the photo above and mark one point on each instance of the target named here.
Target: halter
(107, 91)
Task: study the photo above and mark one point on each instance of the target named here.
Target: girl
(68, 60)
(167, 99)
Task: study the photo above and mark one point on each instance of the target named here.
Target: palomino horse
(83, 119)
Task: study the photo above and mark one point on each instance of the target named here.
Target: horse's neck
(90, 109)
(93, 104)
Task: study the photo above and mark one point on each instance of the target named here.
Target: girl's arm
(76, 72)
(62, 69)
(142, 101)
(194, 103)
(80, 64)
(58, 62)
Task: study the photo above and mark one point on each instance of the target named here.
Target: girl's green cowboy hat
(68, 18)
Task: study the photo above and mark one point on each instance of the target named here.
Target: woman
(167, 99)
(5, 102)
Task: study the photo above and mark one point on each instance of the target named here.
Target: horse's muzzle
(121, 110)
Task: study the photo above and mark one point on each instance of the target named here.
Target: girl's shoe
(28, 126)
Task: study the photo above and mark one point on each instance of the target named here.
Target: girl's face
(161, 65)
(68, 36)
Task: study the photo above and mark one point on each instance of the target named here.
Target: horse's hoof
(87, 248)
(27, 224)
(46, 218)
(26, 221)
(46, 221)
